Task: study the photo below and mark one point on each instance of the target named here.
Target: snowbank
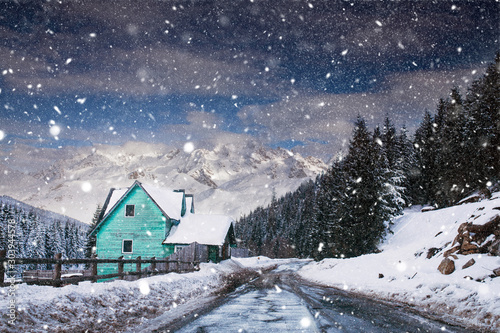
(402, 272)
(113, 306)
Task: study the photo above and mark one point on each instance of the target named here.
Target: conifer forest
(346, 211)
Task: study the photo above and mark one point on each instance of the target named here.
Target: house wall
(146, 229)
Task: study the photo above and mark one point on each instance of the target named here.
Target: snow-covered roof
(115, 195)
(169, 201)
(189, 202)
(203, 229)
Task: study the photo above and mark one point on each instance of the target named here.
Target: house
(147, 221)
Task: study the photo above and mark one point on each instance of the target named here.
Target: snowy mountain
(225, 178)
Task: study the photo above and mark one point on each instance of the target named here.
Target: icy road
(280, 302)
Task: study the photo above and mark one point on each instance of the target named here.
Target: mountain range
(230, 179)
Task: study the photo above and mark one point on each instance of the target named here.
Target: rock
(494, 248)
(496, 271)
(467, 246)
(447, 266)
(380, 275)
(454, 256)
(469, 263)
(431, 252)
(450, 251)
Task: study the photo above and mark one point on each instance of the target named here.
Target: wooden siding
(146, 229)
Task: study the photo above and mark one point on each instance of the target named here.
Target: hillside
(45, 216)
(225, 178)
(403, 272)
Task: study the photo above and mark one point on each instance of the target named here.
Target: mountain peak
(227, 179)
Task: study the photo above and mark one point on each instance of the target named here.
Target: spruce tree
(364, 220)
(426, 150)
(483, 127)
(90, 242)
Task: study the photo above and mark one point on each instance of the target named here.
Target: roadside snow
(402, 273)
(110, 307)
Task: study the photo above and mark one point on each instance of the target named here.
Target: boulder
(447, 266)
(469, 263)
(496, 271)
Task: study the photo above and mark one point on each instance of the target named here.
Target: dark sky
(285, 72)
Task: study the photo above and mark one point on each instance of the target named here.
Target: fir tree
(90, 242)
(366, 210)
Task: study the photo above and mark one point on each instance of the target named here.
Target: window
(127, 246)
(130, 210)
(177, 248)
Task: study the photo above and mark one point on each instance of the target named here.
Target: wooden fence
(181, 260)
(58, 277)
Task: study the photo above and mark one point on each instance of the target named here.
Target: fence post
(3, 263)
(167, 266)
(153, 265)
(57, 270)
(138, 266)
(93, 268)
(120, 268)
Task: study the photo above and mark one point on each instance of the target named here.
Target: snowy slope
(409, 277)
(225, 179)
(44, 215)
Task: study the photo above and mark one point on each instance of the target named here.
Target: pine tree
(90, 242)
(364, 218)
(483, 127)
(426, 150)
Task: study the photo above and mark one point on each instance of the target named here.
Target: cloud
(158, 70)
(328, 118)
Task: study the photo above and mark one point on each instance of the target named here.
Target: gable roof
(169, 202)
(203, 229)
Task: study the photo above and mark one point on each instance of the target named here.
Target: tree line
(36, 236)
(347, 211)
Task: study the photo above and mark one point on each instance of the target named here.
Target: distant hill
(46, 216)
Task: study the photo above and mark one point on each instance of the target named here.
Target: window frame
(179, 247)
(127, 210)
(131, 245)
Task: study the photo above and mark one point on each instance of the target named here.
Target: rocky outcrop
(203, 176)
(471, 238)
(474, 238)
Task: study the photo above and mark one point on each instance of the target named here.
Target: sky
(288, 73)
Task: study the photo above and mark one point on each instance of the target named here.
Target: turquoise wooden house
(143, 220)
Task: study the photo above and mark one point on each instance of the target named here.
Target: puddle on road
(271, 310)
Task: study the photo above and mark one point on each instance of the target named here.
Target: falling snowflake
(305, 322)
(144, 287)
(188, 147)
(86, 187)
(55, 130)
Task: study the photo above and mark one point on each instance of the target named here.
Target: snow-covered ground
(114, 306)
(407, 276)
(401, 272)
